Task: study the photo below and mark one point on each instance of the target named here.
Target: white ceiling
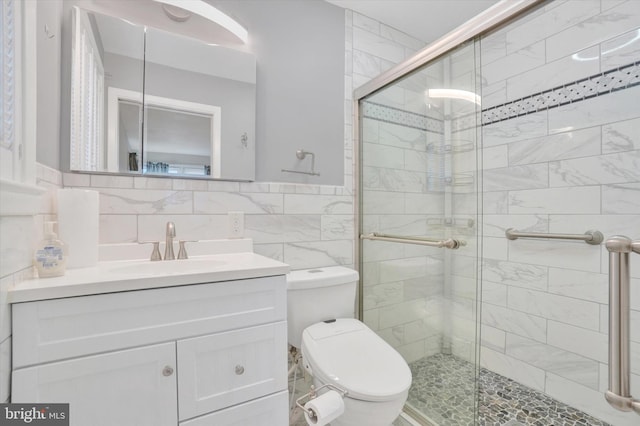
(426, 20)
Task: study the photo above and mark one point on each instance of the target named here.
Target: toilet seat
(349, 355)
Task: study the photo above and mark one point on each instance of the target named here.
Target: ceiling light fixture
(209, 12)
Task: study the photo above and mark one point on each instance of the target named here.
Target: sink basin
(169, 267)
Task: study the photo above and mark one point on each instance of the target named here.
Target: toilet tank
(319, 294)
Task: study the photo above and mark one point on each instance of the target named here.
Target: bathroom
(531, 310)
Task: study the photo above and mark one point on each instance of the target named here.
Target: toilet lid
(347, 354)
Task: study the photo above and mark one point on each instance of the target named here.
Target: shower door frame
(497, 15)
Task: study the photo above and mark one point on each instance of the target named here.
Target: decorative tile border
(613, 80)
(620, 78)
(398, 116)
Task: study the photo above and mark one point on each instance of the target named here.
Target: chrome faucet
(168, 248)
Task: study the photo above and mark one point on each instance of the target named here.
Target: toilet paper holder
(313, 393)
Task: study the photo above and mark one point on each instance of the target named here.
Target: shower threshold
(443, 389)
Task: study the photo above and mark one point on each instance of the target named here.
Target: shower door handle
(619, 395)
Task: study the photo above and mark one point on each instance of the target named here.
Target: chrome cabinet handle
(239, 370)
(167, 371)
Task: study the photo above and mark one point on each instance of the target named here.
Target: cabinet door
(135, 387)
(225, 369)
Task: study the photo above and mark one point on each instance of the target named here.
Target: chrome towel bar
(449, 243)
(590, 237)
(619, 395)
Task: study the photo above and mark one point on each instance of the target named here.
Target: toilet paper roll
(327, 407)
(78, 222)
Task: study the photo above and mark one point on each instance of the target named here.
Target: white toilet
(340, 350)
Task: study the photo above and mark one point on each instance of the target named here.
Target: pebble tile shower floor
(443, 388)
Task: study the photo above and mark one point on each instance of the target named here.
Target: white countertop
(127, 275)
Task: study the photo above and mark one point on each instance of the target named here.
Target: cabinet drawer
(135, 387)
(271, 410)
(51, 330)
(225, 369)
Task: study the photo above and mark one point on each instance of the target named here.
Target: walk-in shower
(485, 163)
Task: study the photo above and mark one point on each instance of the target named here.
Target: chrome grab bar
(590, 237)
(618, 395)
(449, 243)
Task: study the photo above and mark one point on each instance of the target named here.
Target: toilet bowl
(342, 351)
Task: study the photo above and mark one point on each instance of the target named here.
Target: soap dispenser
(51, 254)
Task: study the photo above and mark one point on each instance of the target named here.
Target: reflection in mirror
(199, 104)
(96, 59)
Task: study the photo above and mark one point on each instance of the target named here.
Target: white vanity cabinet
(194, 355)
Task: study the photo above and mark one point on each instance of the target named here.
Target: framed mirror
(147, 101)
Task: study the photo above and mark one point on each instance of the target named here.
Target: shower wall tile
(385, 156)
(553, 74)
(620, 51)
(382, 295)
(426, 204)
(564, 309)
(621, 198)
(555, 360)
(493, 293)
(616, 106)
(561, 146)
(497, 225)
(515, 274)
(401, 269)
(493, 338)
(516, 62)
(561, 254)
(604, 169)
(585, 399)
(495, 157)
(621, 136)
(508, 366)
(580, 200)
(520, 323)
(516, 177)
(493, 202)
(589, 343)
(608, 225)
(546, 24)
(579, 284)
(516, 129)
(599, 28)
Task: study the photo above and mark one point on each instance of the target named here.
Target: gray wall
(299, 46)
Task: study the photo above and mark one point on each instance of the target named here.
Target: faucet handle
(182, 253)
(155, 253)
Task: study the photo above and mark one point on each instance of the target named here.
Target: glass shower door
(419, 180)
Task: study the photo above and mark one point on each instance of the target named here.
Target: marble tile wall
(567, 170)
(19, 235)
